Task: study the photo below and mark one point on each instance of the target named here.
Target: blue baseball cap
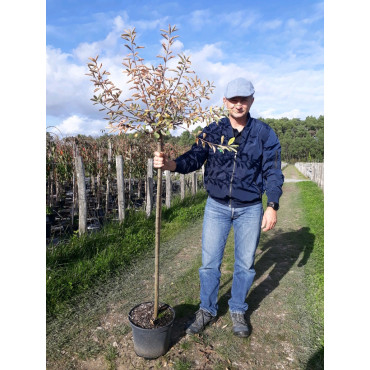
(239, 87)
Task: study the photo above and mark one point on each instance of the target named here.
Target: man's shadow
(280, 254)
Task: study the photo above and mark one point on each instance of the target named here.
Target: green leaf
(231, 141)
(156, 135)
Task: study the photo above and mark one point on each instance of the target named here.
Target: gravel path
(294, 180)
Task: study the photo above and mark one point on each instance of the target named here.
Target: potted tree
(164, 97)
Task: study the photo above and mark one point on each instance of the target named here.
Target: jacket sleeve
(271, 167)
(193, 159)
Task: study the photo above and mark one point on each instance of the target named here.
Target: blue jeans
(217, 222)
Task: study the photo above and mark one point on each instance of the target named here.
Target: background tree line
(301, 140)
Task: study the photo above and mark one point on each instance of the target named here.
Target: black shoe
(240, 326)
(202, 318)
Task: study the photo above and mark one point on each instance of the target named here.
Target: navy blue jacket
(238, 179)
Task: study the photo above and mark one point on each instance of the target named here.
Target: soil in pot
(142, 315)
(151, 337)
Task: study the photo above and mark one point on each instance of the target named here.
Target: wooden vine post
(74, 182)
(120, 188)
(92, 184)
(182, 186)
(194, 183)
(168, 189)
(149, 188)
(82, 203)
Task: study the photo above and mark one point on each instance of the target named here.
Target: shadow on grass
(316, 362)
(280, 254)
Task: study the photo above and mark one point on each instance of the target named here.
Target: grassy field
(312, 198)
(75, 266)
(90, 330)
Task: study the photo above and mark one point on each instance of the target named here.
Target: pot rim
(160, 327)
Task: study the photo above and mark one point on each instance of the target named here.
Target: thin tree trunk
(158, 215)
(129, 178)
(168, 188)
(108, 177)
(82, 204)
(120, 188)
(149, 188)
(182, 185)
(98, 180)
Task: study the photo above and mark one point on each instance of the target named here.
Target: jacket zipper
(232, 178)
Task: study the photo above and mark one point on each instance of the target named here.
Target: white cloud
(287, 85)
(270, 113)
(177, 47)
(240, 19)
(75, 125)
(69, 89)
(107, 47)
(65, 82)
(200, 18)
(154, 24)
(283, 87)
(272, 25)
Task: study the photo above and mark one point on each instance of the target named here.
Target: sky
(278, 45)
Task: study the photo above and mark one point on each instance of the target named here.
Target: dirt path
(96, 334)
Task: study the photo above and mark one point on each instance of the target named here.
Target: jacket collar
(229, 128)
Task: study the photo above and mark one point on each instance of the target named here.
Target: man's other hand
(269, 219)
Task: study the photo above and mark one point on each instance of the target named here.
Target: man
(235, 183)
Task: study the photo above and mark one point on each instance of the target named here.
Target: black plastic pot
(151, 343)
